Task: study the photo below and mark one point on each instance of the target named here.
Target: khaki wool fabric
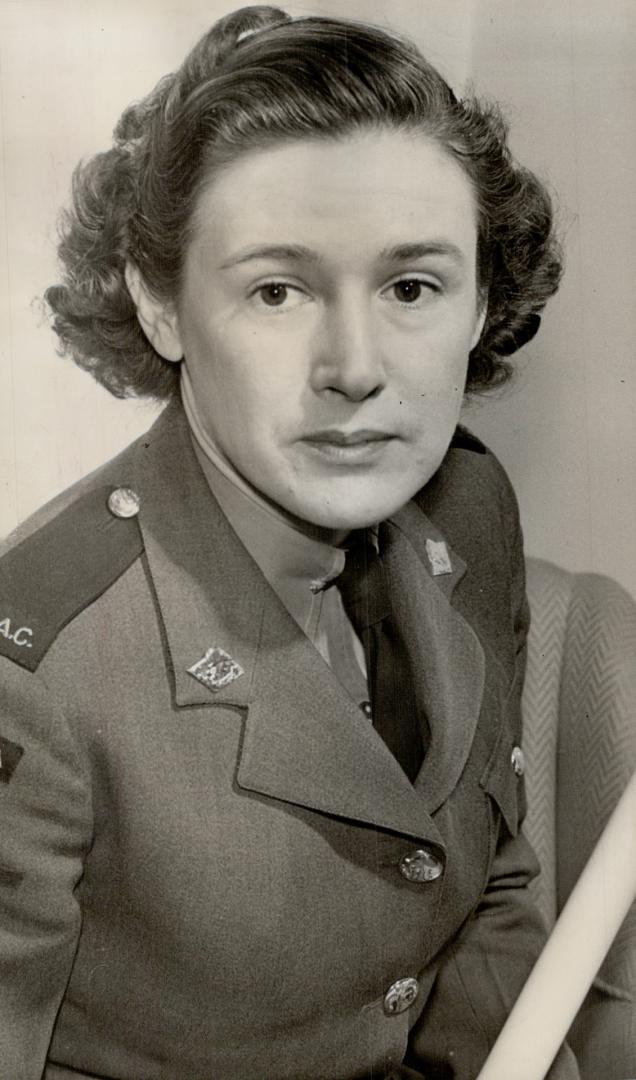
(205, 884)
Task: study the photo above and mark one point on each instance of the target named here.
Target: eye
(408, 292)
(411, 292)
(274, 294)
(278, 295)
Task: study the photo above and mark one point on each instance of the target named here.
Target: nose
(347, 357)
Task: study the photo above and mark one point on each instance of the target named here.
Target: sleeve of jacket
(45, 827)
(486, 966)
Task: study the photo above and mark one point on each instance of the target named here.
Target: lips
(338, 449)
(335, 437)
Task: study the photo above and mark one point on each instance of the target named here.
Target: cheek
(438, 348)
(437, 374)
(221, 370)
(247, 405)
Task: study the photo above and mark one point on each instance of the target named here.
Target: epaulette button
(124, 502)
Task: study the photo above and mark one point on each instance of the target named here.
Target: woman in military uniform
(262, 782)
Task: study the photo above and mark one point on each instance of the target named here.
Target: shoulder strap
(57, 571)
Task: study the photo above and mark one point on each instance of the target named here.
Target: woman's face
(328, 309)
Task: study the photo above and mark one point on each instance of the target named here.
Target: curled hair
(258, 77)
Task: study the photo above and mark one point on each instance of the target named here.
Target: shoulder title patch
(57, 571)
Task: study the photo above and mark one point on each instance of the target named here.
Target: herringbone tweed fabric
(579, 710)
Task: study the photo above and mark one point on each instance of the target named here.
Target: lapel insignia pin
(438, 557)
(216, 669)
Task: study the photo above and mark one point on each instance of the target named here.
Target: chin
(351, 515)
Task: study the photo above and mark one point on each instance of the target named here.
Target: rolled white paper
(561, 977)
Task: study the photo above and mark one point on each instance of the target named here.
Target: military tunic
(211, 866)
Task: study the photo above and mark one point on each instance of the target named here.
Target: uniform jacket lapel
(305, 741)
(449, 674)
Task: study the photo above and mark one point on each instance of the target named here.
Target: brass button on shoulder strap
(124, 502)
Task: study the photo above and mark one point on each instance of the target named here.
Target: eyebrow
(407, 252)
(299, 253)
(288, 252)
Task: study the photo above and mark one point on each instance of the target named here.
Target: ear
(157, 319)
(482, 311)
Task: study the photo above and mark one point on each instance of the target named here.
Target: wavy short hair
(256, 78)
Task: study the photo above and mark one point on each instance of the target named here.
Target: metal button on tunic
(421, 865)
(518, 761)
(400, 996)
(124, 502)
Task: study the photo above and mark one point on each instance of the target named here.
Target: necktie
(366, 597)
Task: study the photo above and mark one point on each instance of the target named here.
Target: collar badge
(216, 669)
(438, 557)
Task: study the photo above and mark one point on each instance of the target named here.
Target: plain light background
(566, 72)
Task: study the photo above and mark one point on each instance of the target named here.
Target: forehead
(361, 193)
